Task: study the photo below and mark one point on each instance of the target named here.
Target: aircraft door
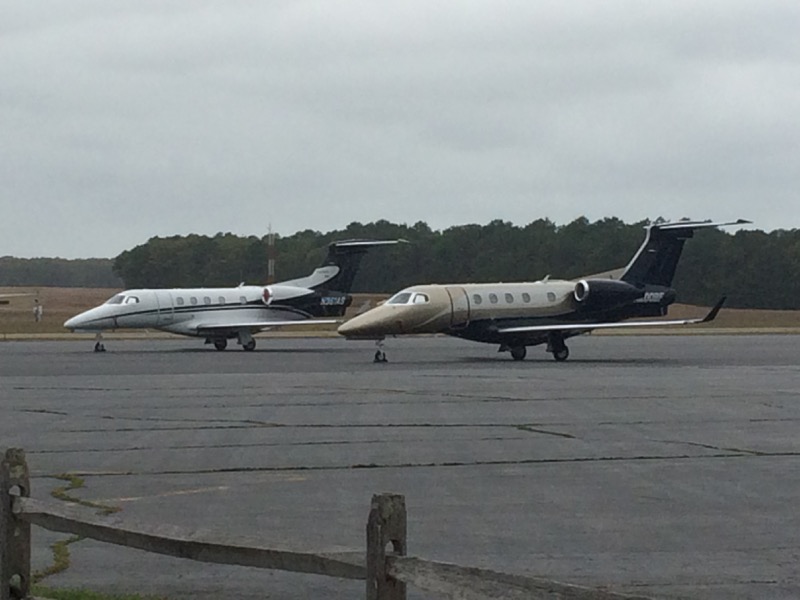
(166, 309)
(459, 302)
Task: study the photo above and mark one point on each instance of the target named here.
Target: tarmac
(664, 466)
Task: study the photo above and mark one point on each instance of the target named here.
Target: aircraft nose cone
(91, 320)
(377, 322)
(362, 325)
(71, 323)
(350, 328)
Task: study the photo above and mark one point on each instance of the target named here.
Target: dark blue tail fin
(338, 270)
(657, 258)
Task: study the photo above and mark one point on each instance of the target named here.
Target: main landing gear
(556, 346)
(518, 352)
(245, 339)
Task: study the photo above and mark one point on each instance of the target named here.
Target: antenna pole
(270, 256)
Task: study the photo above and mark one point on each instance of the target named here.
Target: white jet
(220, 314)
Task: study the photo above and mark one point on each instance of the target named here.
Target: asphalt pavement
(666, 466)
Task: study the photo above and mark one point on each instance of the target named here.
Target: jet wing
(258, 325)
(590, 326)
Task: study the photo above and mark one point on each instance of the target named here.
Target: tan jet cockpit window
(116, 299)
(131, 300)
(400, 298)
(421, 299)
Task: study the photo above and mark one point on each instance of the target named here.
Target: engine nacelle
(277, 293)
(594, 294)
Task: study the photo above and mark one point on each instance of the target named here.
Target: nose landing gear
(99, 346)
(380, 355)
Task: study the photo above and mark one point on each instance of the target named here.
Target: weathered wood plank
(15, 535)
(174, 541)
(468, 583)
(386, 525)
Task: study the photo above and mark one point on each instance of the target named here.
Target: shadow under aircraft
(549, 311)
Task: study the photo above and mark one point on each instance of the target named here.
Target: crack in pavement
(253, 424)
(443, 464)
(44, 411)
(533, 429)
(277, 444)
(344, 426)
(710, 446)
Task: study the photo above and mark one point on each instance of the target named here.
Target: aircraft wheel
(99, 347)
(221, 344)
(518, 352)
(380, 357)
(561, 355)
(250, 346)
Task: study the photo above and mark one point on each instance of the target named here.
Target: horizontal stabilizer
(698, 224)
(367, 243)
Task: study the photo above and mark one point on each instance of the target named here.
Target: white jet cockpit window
(400, 298)
(421, 299)
(131, 300)
(116, 299)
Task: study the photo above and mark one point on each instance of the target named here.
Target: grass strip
(83, 594)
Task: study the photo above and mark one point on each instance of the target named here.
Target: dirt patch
(58, 305)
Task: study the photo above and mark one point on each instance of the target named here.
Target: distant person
(37, 310)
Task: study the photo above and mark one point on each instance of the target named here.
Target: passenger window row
(194, 301)
(509, 298)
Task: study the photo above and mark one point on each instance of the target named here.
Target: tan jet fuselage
(441, 308)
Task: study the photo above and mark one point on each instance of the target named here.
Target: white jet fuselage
(191, 311)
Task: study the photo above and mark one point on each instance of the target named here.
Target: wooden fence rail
(386, 571)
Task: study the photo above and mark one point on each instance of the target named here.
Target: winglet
(714, 311)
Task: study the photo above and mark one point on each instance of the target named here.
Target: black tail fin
(657, 258)
(338, 270)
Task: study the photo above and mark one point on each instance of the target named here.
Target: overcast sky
(125, 120)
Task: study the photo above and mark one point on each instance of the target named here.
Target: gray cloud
(131, 119)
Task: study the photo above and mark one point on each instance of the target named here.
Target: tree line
(755, 269)
(58, 272)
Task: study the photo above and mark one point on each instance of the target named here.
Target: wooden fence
(386, 571)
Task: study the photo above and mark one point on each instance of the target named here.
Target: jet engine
(277, 293)
(594, 294)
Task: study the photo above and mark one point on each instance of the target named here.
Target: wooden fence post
(15, 535)
(387, 523)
